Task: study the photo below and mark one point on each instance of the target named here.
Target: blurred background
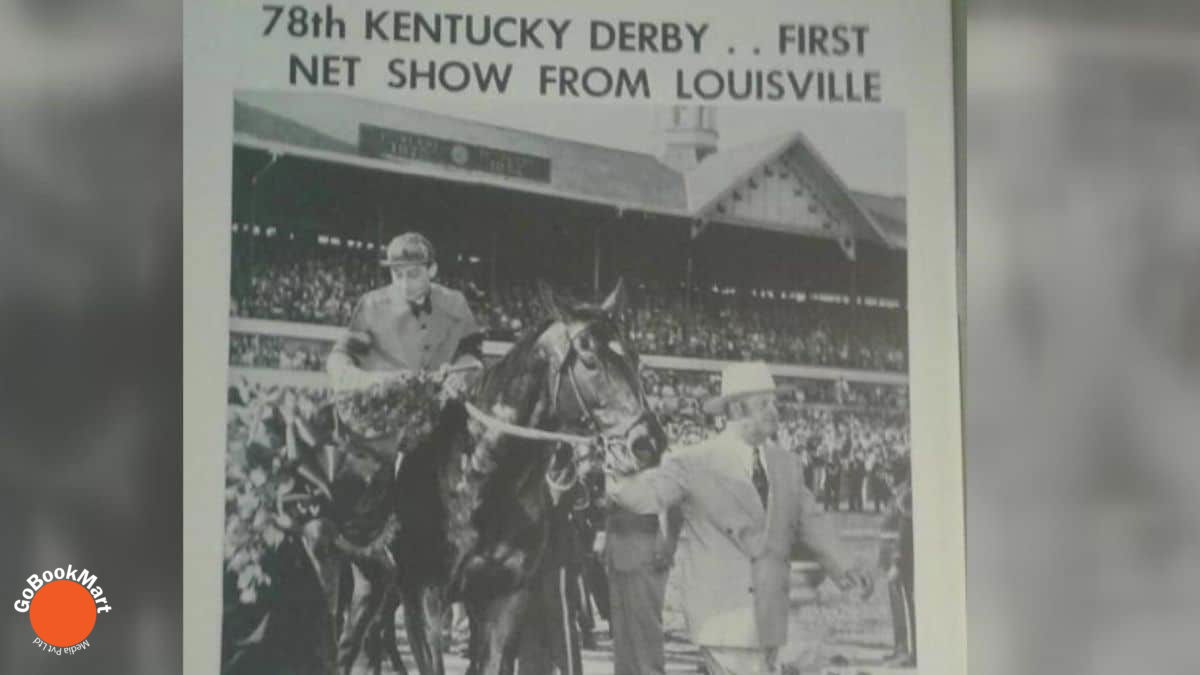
(1083, 368)
(90, 321)
(1082, 377)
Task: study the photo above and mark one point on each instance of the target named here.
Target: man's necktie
(423, 307)
(759, 476)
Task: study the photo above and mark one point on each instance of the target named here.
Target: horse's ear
(615, 302)
(549, 301)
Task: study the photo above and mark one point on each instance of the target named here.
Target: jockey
(411, 325)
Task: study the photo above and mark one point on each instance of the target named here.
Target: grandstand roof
(890, 214)
(333, 127)
(711, 179)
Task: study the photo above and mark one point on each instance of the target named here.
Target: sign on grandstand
(393, 144)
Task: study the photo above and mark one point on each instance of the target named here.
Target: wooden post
(688, 280)
(492, 264)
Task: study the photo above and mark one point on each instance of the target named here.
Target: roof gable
(739, 186)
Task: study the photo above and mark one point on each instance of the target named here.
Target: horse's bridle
(610, 441)
(613, 441)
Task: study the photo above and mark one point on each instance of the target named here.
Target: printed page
(588, 338)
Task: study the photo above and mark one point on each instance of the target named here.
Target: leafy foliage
(259, 466)
(255, 523)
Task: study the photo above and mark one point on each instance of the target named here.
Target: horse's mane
(516, 363)
(517, 357)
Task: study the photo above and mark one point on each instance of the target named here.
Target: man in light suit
(743, 507)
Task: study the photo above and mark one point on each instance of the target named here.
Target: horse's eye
(589, 360)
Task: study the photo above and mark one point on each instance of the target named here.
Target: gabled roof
(862, 224)
(327, 127)
(890, 212)
(723, 171)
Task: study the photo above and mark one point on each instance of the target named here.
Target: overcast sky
(865, 147)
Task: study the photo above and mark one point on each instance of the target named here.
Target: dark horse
(481, 517)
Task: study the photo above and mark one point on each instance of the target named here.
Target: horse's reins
(527, 433)
(564, 371)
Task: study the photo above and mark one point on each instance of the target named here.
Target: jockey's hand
(460, 378)
(455, 385)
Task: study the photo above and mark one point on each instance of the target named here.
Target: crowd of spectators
(268, 351)
(852, 458)
(320, 284)
(320, 287)
(677, 397)
(766, 326)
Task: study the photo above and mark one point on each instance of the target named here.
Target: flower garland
(405, 406)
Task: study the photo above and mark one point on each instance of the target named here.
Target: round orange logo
(62, 613)
(62, 605)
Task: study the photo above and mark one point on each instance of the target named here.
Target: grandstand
(759, 251)
(299, 282)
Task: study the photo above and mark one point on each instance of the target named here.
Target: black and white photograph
(541, 387)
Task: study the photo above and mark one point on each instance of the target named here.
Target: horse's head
(595, 386)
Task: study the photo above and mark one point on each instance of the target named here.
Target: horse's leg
(495, 632)
(327, 564)
(423, 620)
(345, 594)
(370, 591)
(373, 648)
(381, 636)
(387, 627)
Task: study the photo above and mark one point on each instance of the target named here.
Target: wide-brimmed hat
(739, 380)
(410, 248)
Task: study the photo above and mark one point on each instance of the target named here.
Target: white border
(210, 73)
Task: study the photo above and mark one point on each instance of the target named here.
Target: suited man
(743, 508)
(833, 483)
(896, 558)
(410, 325)
(857, 472)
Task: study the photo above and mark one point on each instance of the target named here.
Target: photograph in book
(614, 388)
